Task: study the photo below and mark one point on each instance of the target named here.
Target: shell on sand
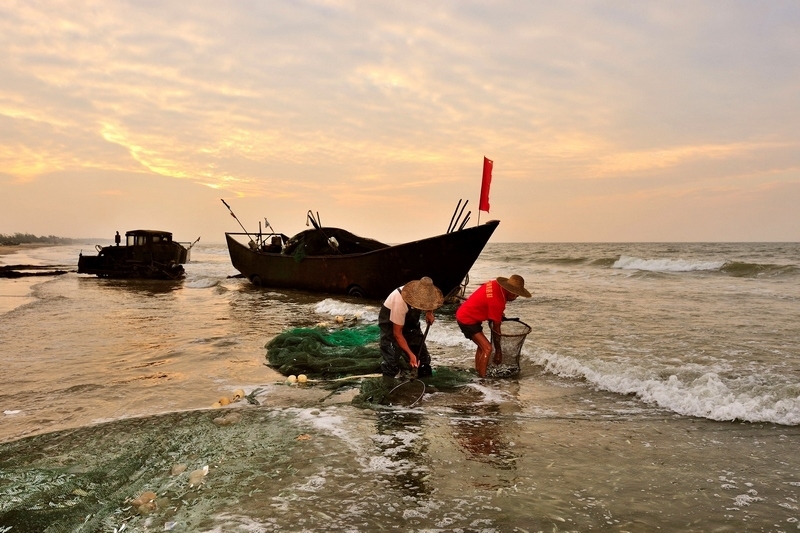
(178, 469)
(227, 420)
(145, 497)
(198, 476)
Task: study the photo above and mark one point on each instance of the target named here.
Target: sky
(606, 121)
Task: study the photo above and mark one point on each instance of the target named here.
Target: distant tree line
(27, 238)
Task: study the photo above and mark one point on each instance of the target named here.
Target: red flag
(483, 204)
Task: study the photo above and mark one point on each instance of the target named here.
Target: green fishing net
(377, 391)
(349, 357)
(323, 354)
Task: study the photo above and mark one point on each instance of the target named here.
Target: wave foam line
(665, 265)
(330, 306)
(707, 396)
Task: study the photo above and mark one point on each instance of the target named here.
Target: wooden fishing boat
(332, 260)
(148, 254)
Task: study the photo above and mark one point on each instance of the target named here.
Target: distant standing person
(117, 239)
(488, 302)
(400, 328)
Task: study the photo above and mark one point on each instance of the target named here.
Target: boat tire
(255, 280)
(355, 291)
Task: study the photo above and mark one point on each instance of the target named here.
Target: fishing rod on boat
(452, 227)
(454, 215)
(466, 219)
(237, 219)
(317, 223)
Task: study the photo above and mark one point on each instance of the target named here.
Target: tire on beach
(356, 291)
(255, 280)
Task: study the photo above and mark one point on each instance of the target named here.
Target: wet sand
(15, 291)
(6, 249)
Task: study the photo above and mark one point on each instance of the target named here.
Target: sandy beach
(15, 292)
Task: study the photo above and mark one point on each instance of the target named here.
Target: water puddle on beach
(313, 462)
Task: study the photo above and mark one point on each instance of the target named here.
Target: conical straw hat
(422, 294)
(515, 285)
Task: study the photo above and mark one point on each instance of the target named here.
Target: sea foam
(665, 265)
(707, 396)
(333, 307)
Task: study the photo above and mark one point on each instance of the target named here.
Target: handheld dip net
(511, 338)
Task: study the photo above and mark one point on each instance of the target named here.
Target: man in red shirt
(488, 302)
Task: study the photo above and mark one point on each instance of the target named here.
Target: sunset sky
(606, 121)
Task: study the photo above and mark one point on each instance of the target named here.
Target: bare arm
(403, 344)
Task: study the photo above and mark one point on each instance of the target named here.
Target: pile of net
(318, 242)
(383, 391)
(350, 352)
(322, 354)
(511, 338)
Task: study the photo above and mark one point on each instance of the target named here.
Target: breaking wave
(666, 265)
(749, 270)
(706, 395)
(731, 268)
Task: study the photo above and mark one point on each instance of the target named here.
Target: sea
(659, 391)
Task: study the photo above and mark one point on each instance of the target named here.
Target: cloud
(370, 102)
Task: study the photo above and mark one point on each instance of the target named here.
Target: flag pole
(486, 182)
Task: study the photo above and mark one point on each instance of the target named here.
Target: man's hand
(429, 317)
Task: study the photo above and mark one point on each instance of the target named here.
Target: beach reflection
(482, 433)
(404, 451)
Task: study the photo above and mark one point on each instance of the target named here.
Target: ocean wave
(202, 283)
(749, 270)
(605, 261)
(706, 395)
(568, 260)
(666, 265)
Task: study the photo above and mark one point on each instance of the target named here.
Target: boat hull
(445, 258)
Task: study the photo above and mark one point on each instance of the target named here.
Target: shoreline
(16, 287)
(8, 249)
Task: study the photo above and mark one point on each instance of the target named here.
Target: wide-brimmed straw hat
(515, 285)
(422, 294)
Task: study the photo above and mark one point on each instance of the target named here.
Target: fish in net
(511, 338)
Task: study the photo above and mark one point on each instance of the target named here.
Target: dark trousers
(390, 350)
(392, 353)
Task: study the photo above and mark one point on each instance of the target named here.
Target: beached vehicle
(148, 254)
(333, 260)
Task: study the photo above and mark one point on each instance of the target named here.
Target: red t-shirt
(487, 303)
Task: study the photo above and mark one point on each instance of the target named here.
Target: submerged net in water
(511, 338)
(322, 354)
(385, 391)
